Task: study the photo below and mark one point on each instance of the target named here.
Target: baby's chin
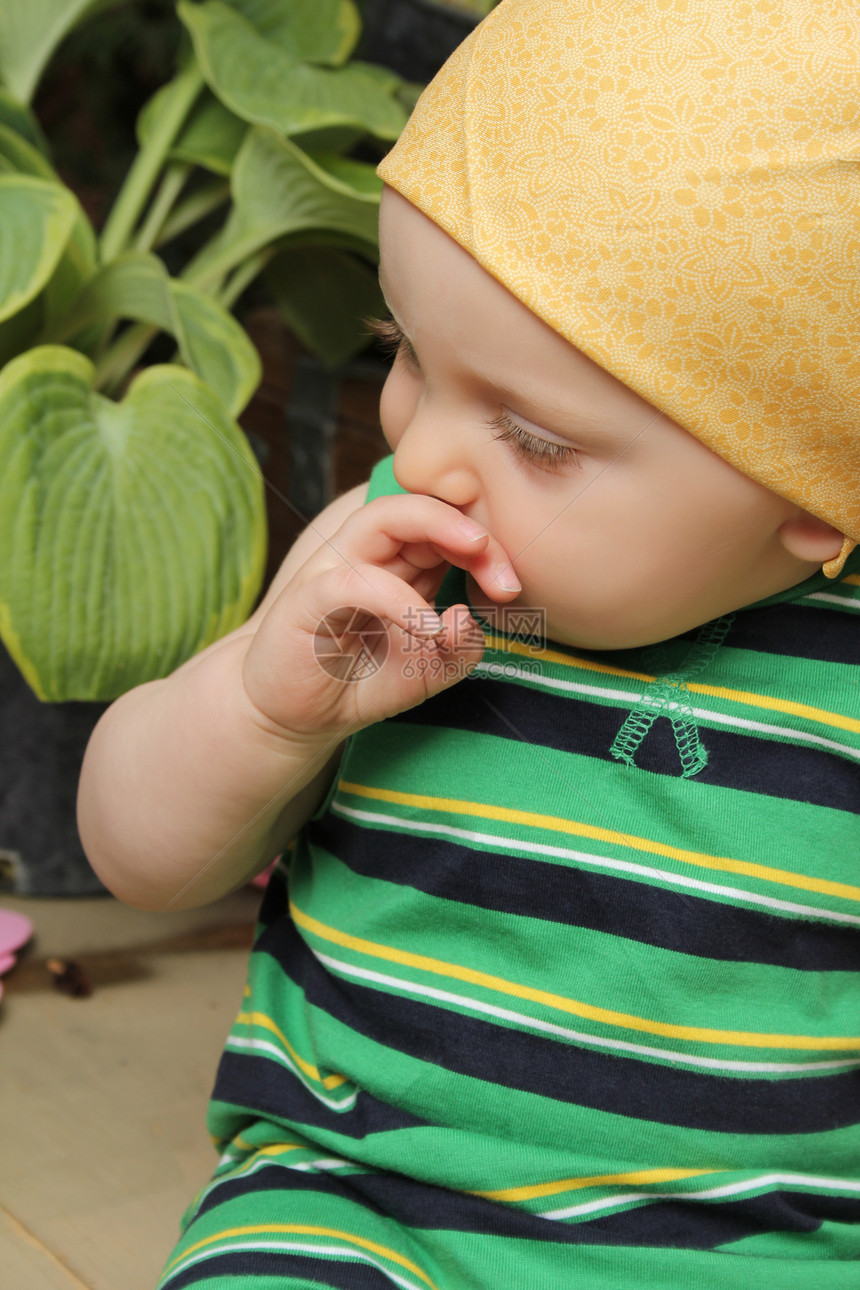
(517, 617)
(514, 617)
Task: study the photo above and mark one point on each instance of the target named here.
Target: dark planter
(41, 751)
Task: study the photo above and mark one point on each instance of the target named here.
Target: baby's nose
(437, 459)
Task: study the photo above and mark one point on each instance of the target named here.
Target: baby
(555, 982)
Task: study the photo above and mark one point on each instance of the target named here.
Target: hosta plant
(132, 525)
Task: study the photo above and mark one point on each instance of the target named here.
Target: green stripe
(656, 1050)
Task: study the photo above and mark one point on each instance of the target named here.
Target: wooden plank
(26, 1262)
(103, 1099)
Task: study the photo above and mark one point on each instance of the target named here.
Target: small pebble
(70, 978)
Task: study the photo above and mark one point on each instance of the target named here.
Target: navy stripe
(769, 767)
(264, 1087)
(300, 1270)
(578, 898)
(798, 631)
(275, 901)
(675, 1223)
(498, 1054)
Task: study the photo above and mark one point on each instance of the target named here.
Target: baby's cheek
(398, 402)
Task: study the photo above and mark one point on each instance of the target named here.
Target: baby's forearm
(185, 794)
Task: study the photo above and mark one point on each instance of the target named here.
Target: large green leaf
(78, 260)
(20, 118)
(219, 350)
(279, 191)
(353, 178)
(324, 294)
(264, 84)
(21, 330)
(30, 31)
(19, 156)
(131, 534)
(36, 219)
(211, 342)
(318, 31)
(210, 138)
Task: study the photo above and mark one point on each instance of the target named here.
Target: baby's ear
(809, 538)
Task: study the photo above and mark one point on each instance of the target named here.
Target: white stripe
(347, 1103)
(711, 1193)
(580, 1037)
(308, 1165)
(836, 600)
(584, 857)
(703, 714)
(339, 1251)
(261, 1162)
(784, 732)
(245, 1171)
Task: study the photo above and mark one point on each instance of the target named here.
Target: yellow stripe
(485, 810)
(505, 646)
(639, 1178)
(835, 719)
(246, 1166)
(304, 1229)
(853, 578)
(748, 697)
(260, 1019)
(272, 1149)
(606, 1016)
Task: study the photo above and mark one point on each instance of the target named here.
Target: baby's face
(622, 527)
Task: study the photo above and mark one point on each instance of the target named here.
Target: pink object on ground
(15, 931)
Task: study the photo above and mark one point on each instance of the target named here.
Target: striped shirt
(559, 1018)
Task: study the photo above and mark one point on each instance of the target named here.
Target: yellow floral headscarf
(674, 187)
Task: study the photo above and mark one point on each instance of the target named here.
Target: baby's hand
(353, 637)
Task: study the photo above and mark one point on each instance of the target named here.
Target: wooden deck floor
(103, 1099)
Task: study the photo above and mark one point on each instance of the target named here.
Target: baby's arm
(192, 784)
(175, 770)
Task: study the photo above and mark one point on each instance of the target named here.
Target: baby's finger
(336, 595)
(420, 530)
(422, 526)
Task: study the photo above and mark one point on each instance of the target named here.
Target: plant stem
(171, 186)
(207, 271)
(140, 179)
(243, 276)
(121, 358)
(193, 208)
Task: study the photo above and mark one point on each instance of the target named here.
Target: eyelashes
(543, 452)
(390, 339)
(387, 334)
(540, 452)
